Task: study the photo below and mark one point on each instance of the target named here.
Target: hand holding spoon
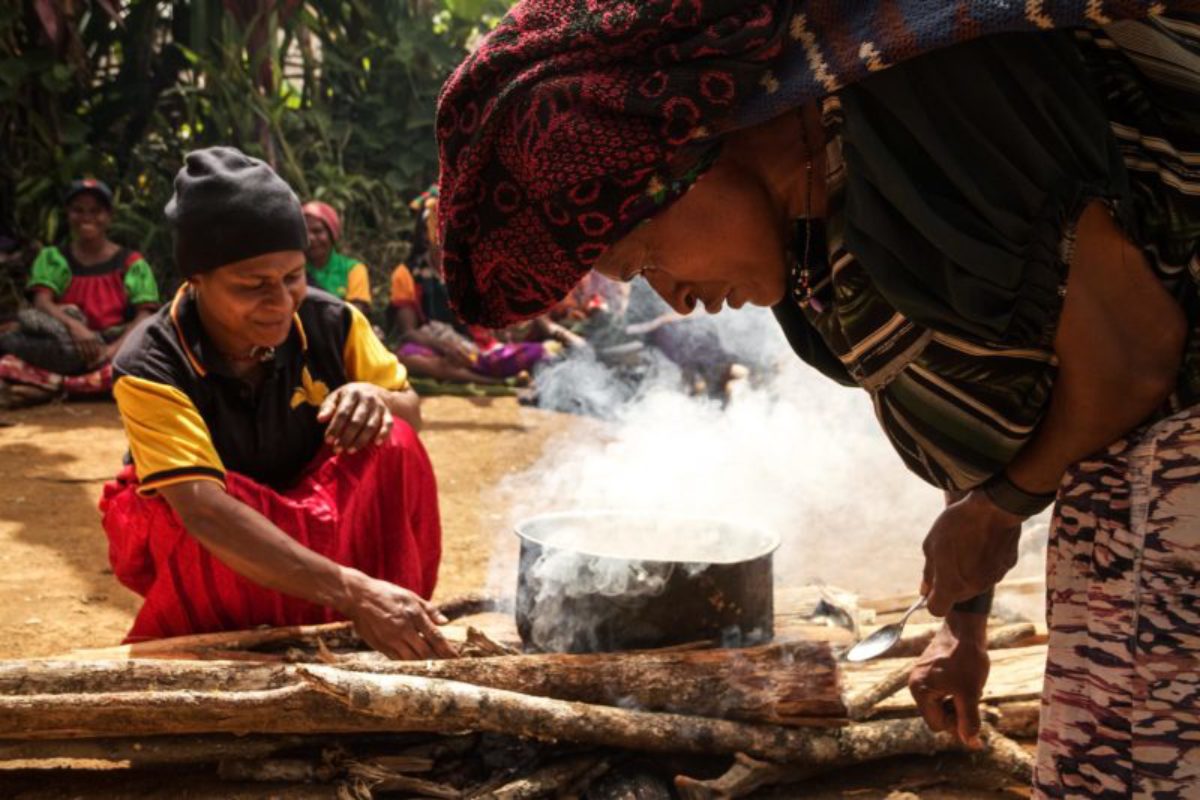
(883, 639)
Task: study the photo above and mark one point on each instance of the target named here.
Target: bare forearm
(1085, 415)
(44, 302)
(252, 546)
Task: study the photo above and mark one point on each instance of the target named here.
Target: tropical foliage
(339, 95)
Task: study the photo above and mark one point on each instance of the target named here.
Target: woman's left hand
(968, 550)
(357, 415)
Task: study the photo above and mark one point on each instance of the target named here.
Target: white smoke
(795, 453)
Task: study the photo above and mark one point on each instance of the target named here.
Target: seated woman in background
(328, 269)
(434, 349)
(87, 294)
(425, 260)
(276, 475)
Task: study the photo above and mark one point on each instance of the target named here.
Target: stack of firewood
(312, 711)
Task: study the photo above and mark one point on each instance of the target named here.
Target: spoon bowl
(883, 639)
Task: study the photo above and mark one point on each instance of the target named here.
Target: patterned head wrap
(575, 120)
(328, 216)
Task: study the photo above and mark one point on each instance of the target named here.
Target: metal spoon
(883, 639)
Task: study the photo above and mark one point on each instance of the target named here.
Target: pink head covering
(325, 213)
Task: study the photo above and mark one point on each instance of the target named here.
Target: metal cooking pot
(595, 581)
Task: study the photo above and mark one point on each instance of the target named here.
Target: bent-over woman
(989, 226)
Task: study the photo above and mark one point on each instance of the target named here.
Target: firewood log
(783, 683)
(786, 684)
(455, 706)
(1018, 719)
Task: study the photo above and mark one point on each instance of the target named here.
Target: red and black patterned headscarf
(575, 120)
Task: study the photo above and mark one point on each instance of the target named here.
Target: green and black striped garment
(954, 184)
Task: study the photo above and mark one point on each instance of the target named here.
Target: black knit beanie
(228, 207)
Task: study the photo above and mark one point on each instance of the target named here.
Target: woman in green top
(87, 294)
(328, 269)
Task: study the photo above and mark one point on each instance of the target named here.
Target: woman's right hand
(88, 342)
(395, 621)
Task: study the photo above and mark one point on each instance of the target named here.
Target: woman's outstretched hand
(970, 547)
(396, 621)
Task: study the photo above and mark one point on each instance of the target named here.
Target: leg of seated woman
(43, 352)
(440, 369)
(375, 510)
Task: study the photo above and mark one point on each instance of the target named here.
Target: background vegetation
(338, 95)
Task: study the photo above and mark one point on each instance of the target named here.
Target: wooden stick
(555, 778)
(447, 705)
(332, 635)
(376, 778)
(861, 706)
(465, 605)
(1019, 719)
(746, 775)
(296, 708)
(1006, 755)
(159, 749)
(225, 641)
(581, 784)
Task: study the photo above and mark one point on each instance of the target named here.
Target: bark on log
(456, 706)
(267, 645)
(160, 749)
(464, 605)
(1005, 755)
(203, 645)
(142, 675)
(290, 709)
(747, 774)
(377, 779)
(332, 635)
(1019, 719)
(786, 684)
(789, 684)
(861, 706)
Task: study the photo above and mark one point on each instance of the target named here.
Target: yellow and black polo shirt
(187, 417)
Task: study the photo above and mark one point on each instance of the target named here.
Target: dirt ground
(56, 590)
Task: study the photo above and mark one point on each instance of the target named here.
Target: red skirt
(375, 510)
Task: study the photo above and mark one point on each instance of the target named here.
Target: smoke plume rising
(795, 453)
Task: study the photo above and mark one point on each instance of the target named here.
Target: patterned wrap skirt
(1121, 703)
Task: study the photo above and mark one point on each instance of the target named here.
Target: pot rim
(770, 539)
